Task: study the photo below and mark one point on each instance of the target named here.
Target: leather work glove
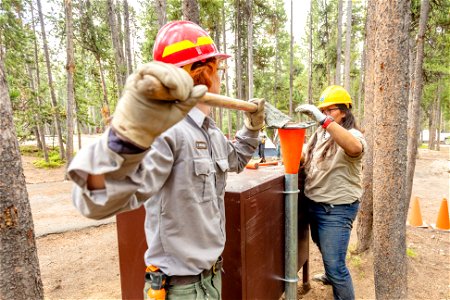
(255, 120)
(138, 118)
(311, 111)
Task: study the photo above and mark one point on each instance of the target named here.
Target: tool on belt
(157, 281)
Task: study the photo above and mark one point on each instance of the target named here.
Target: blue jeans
(331, 226)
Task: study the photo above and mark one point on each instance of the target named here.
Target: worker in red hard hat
(170, 157)
(333, 183)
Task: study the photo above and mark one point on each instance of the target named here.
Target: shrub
(53, 160)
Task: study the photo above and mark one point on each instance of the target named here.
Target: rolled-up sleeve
(127, 183)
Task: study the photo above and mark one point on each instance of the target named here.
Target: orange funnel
(291, 140)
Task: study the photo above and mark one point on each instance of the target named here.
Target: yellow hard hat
(334, 94)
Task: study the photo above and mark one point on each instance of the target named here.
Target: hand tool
(274, 117)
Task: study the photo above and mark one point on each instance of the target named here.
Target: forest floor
(79, 257)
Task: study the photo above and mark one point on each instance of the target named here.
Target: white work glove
(311, 111)
(255, 120)
(138, 118)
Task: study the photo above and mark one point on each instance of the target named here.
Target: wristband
(326, 122)
(116, 144)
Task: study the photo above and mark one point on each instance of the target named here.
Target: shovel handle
(158, 91)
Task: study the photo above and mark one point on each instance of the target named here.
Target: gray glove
(311, 111)
(255, 120)
(140, 119)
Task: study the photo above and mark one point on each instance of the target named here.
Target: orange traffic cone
(415, 216)
(443, 222)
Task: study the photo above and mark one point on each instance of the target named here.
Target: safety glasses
(328, 111)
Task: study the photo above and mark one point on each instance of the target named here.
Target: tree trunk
(225, 73)
(276, 69)
(161, 12)
(364, 227)
(40, 137)
(78, 125)
(70, 67)
(326, 40)
(39, 130)
(118, 54)
(127, 38)
(337, 75)
(191, 11)
(390, 112)
(434, 121)
(238, 60)
(291, 62)
(414, 114)
(20, 277)
(348, 37)
(412, 58)
(56, 116)
(250, 47)
(310, 60)
(438, 115)
(105, 107)
(362, 80)
(97, 54)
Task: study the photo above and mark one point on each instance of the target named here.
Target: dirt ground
(82, 262)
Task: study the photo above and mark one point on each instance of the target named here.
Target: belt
(189, 279)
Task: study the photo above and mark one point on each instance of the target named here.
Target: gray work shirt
(180, 180)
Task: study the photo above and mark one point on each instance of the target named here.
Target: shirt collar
(199, 117)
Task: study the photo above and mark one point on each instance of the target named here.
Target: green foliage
(149, 23)
(435, 64)
(54, 161)
(410, 252)
(355, 260)
(53, 155)
(271, 53)
(29, 150)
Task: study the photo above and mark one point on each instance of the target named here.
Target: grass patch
(410, 252)
(355, 261)
(53, 160)
(29, 150)
(423, 146)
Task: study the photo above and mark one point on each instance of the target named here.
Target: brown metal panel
(233, 254)
(264, 242)
(132, 246)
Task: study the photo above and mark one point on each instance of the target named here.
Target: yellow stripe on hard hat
(186, 44)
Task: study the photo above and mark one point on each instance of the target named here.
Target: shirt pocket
(221, 176)
(204, 179)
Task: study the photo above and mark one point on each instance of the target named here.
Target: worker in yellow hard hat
(170, 157)
(333, 188)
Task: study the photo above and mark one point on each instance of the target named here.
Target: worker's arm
(107, 183)
(107, 180)
(351, 145)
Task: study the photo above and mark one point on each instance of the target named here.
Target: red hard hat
(182, 43)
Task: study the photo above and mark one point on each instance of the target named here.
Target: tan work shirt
(338, 178)
(180, 180)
